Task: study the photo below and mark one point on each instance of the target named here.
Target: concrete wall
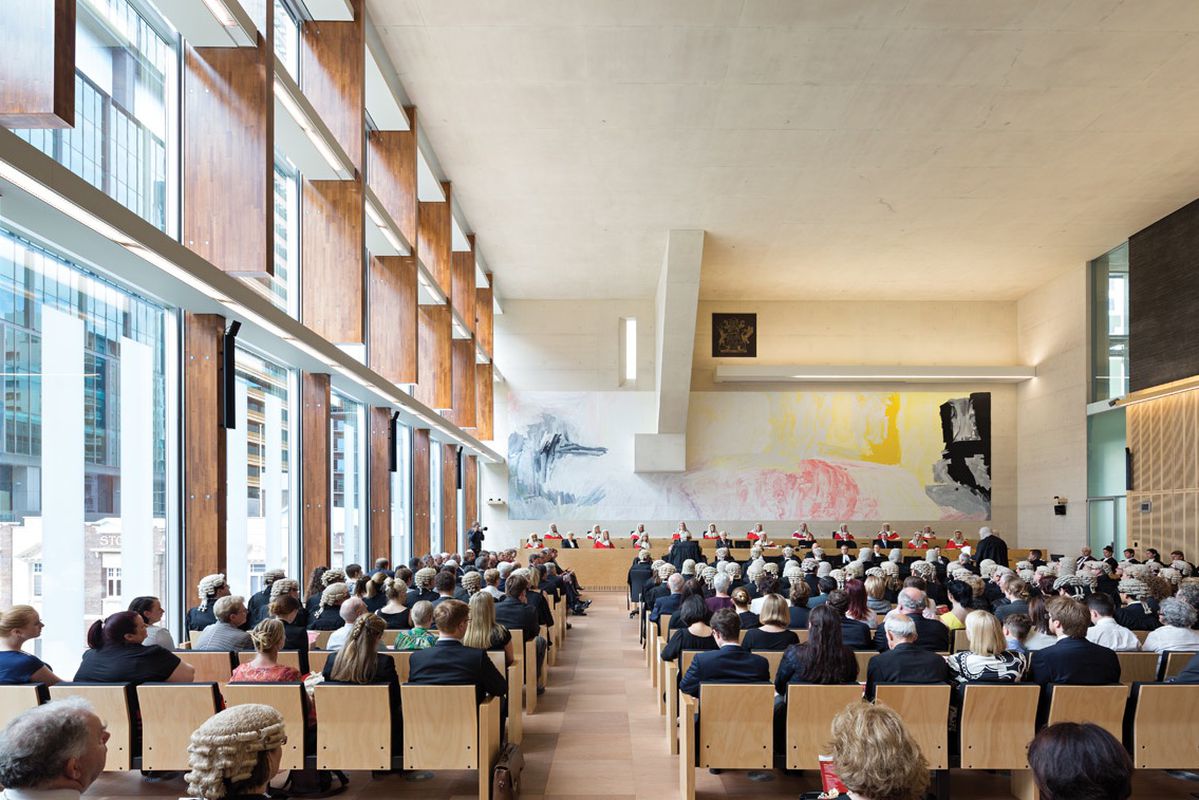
(1051, 433)
(574, 346)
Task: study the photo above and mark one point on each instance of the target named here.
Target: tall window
(125, 79)
(83, 424)
(435, 496)
(258, 453)
(287, 38)
(282, 288)
(401, 497)
(347, 419)
(1109, 324)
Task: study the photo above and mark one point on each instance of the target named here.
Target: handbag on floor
(505, 778)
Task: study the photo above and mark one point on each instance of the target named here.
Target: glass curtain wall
(258, 453)
(83, 465)
(347, 420)
(125, 95)
(435, 496)
(1109, 324)
(401, 498)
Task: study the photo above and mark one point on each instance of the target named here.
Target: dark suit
(1137, 617)
(993, 548)
(295, 637)
(414, 596)
(730, 664)
(683, 550)
(799, 617)
(855, 634)
(1075, 661)
(517, 616)
(668, 604)
(725, 543)
(257, 605)
(570, 544)
(640, 574)
(449, 662)
(931, 634)
(907, 663)
(1015, 607)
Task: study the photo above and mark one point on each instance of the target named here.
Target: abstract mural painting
(754, 455)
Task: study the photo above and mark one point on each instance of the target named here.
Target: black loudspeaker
(1128, 469)
(458, 455)
(392, 438)
(228, 377)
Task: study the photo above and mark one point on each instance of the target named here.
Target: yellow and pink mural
(755, 455)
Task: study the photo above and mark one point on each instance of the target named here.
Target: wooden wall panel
(204, 464)
(393, 318)
(316, 474)
(435, 358)
(333, 72)
(37, 73)
(391, 174)
(463, 298)
(379, 498)
(484, 403)
(449, 498)
(332, 262)
(485, 320)
(463, 390)
(420, 492)
(434, 240)
(229, 156)
(1163, 435)
(470, 490)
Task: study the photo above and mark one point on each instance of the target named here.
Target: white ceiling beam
(883, 373)
(329, 10)
(211, 23)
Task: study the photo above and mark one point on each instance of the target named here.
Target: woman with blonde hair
(774, 632)
(268, 638)
(988, 660)
(875, 755)
(483, 632)
(235, 753)
(18, 625)
(394, 613)
(374, 596)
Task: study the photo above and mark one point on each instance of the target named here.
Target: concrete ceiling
(875, 149)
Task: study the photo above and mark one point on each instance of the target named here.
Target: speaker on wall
(1128, 469)
(228, 377)
(458, 455)
(392, 436)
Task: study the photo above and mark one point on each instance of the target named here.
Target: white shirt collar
(41, 794)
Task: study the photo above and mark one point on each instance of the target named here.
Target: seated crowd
(448, 615)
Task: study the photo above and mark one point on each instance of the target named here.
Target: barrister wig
(689, 567)
(824, 569)
(839, 576)
(334, 596)
(271, 575)
(733, 570)
(472, 582)
(985, 568)
(228, 753)
(284, 586)
(1170, 574)
(657, 565)
(1023, 565)
(208, 587)
(771, 568)
(855, 569)
(707, 575)
(1133, 587)
(923, 569)
(890, 569)
(424, 577)
(666, 570)
(1184, 569)
(333, 575)
(809, 565)
(792, 571)
(876, 572)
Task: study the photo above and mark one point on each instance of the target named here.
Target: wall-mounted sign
(734, 336)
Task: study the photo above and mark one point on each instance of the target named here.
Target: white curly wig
(225, 750)
(208, 586)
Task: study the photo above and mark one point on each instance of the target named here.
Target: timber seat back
(1102, 705)
(211, 666)
(320, 641)
(290, 700)
(863, 657)
(810, 712)
(467, 733)
(170, 712)
(287, 658)
(960, 641)
(403, 661)
(736, 726)
(924, 710)
(318, 658)
(1172, 663)
(773, 658)
(997, 723)
(20, 697)
(193, 637)
(1163, 727)
(1137, 667)
(526, 661)
(114, 703)
(513, 675)
(354, 727)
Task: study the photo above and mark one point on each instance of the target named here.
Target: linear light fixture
(221, 12)
(793, 373)
(306, 125)
(1157, 392)
(376, 216)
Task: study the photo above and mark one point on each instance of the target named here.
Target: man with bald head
(931, 634)
(351, 609)
(671, 602)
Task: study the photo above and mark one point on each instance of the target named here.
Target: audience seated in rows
(1073, 659)
(327, 613)
(1105, 630)
(483, 632)
(394, 612)
(988, 659)
(115, 654)
(351, 609)
(729, 663)
(931, 634)
(268, 639)
(226, 633)
(774, 631)
(904, 660)
(695, 633)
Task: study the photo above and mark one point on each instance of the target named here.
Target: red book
(829, 780)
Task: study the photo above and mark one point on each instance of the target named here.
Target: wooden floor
(597, 734)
